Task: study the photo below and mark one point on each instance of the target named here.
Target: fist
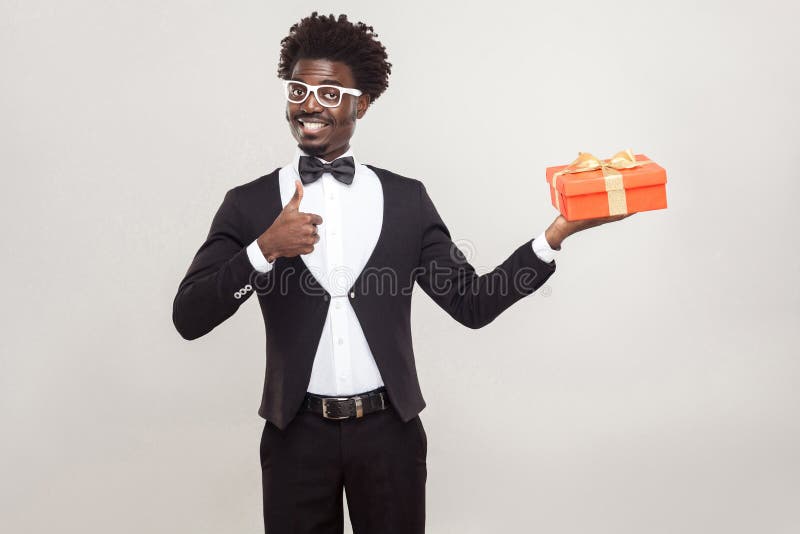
(293, 232)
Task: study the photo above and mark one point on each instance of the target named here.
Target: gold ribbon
(624, 159)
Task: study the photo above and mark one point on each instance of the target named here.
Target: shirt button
(341, 341)
(332, 196)
(333, 232)
(338, 305)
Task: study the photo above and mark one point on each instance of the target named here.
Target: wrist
(555, 235)
(266, 249)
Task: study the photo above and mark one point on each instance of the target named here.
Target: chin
(313, 150)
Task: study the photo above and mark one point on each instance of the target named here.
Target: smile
(311, 126)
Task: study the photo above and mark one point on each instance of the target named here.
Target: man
(341, 396)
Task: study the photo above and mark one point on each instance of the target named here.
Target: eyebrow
(323, 82)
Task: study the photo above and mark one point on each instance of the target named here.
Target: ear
(363, 104)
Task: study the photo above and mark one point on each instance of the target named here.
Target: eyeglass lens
(327, 95)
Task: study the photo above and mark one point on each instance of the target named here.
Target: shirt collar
(300, 152)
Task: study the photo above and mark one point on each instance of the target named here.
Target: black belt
(346, 407)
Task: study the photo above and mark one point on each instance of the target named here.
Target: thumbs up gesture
(293, 232)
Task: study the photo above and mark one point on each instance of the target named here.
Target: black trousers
(379, 461)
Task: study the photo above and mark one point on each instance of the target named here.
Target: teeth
(313, 125)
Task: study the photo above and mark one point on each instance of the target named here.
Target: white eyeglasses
(329, 96)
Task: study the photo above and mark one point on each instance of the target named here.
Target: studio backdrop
(650, 386)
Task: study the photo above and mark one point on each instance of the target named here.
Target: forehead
(322, 71)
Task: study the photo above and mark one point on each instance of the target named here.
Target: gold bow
(624, 159)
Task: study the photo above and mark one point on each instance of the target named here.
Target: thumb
(294, 202)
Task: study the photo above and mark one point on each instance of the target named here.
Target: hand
(293, 231)
(561, 228)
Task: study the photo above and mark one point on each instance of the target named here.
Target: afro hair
(326, 37)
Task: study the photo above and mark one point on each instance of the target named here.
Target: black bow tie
(310, 168)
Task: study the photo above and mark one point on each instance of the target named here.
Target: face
(333, 139)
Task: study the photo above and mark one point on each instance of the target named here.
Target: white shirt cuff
(542, 248)
(257, 258)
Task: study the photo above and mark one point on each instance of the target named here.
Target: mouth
(312, 125)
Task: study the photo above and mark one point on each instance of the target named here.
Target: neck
(332, 155)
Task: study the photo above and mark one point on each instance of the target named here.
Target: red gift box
(626, 183)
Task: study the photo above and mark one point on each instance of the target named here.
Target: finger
(294, 202)
(315, 219)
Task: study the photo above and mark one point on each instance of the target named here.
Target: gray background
(651, 386)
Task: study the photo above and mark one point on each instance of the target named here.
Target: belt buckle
(325, 408)
(359, 406)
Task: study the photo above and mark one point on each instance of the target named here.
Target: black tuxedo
(414, 246)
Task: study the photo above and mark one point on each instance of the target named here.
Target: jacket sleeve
(220, 277)
(451, 281)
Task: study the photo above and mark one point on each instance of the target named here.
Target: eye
(331, 94)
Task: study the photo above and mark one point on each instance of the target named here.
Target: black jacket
(414, 246)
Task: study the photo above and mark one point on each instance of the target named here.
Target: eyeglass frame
(313, 89)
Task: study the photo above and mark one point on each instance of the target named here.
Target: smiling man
(341, 396)
(323, 129)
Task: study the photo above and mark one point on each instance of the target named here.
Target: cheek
(348, 117)
(291, 110)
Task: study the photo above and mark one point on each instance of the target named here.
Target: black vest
(414, 246)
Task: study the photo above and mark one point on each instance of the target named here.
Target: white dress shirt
(352, 216)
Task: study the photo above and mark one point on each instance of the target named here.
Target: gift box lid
(584, 183)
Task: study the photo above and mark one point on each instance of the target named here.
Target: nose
(311, 104)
